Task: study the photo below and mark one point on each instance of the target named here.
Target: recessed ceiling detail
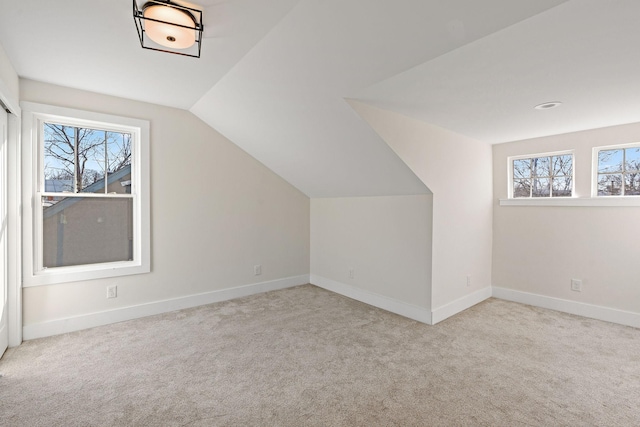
(547, 105)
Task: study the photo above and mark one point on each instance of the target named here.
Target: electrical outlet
(112, 291)
(351, 273)
(257, 270)
(468, 280)
(576, 285)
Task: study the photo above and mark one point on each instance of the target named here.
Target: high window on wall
(89, 184)
(541, 175)
(617, 170)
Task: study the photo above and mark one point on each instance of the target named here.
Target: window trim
(594, 170)
(510, 160)
(33, 117)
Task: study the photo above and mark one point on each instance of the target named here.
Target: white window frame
(532, 156)
(594, 173)
(33, 118)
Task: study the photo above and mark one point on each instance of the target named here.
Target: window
(89, 182)
(548, 175)
(618, 171)
(77, 229)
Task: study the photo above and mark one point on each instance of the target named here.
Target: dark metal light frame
(139, 18)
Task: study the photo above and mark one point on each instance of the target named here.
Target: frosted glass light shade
(169, 35)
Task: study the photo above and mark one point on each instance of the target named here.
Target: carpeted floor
(308, 357)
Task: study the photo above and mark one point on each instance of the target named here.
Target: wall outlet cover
(576, 285)
(112, 291)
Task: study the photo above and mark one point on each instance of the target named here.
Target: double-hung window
(542, 175)
(617, 172)
(89, 191)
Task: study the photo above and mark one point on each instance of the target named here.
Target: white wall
(215, 213)
(540, 249)
(458, 171)
(385, 240)
(9, 82)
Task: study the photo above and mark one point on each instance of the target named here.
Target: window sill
(574, 201)
(53, 276)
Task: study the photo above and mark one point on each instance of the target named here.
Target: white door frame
(14, 241)
(14, 221)
(4, 283)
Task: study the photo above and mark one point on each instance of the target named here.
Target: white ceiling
(274, 74)
(93, 45)
(585, 54)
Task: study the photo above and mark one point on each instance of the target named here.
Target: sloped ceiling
(274, 74)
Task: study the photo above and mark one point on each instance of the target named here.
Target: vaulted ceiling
(274, 75)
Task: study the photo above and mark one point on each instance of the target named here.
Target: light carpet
(307, 357)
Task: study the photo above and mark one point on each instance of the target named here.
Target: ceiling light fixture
(169, 27)
(547, 105)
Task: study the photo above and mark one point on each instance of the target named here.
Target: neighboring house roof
(111, 178)
(57, 185)
(93, 188)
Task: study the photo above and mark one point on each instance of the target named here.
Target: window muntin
(542, 176)
(618, 171)
(89, 203)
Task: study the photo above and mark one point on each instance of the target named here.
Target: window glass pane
(632, 184)
(609, 185)
(118, 150)
(537, 176)
(522, 168)
(78, 231)
(74, 158)
(91, 160)
(562, 165)
(632, 159)
(119, 162)
(561, 186)
(58, 149)
(610, 161)
(541, 187)
(541, 166)
(522, 188)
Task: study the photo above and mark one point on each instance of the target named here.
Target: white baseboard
(607, 314)
(389, 304)
(421, 314)
(454, 307)
(76, 323)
